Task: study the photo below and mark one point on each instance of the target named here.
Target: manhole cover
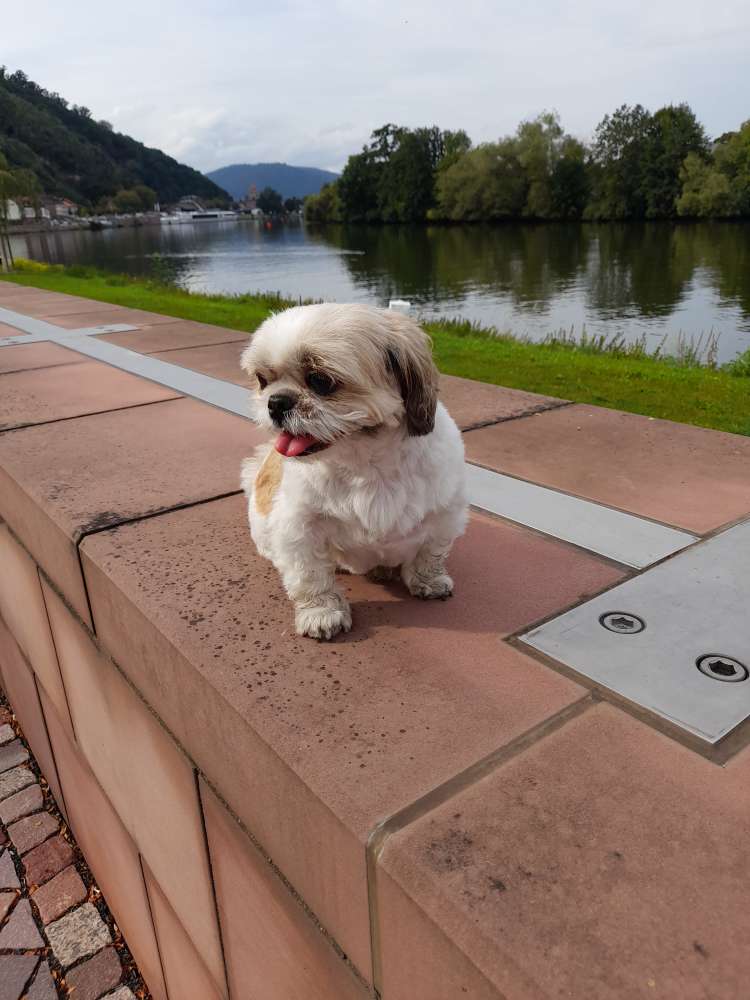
(722, 668)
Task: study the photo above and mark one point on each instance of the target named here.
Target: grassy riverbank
(601, 374)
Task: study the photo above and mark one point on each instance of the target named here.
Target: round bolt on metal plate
(722, 668)
(622, 622)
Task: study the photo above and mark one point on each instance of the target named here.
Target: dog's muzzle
(279, 404)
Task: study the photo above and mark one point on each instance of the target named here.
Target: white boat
(207, 215)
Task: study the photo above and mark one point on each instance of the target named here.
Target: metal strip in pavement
(37, 330)
(625, 538)
(645, 638)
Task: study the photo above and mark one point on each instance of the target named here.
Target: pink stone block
(273, 948)
(604, 861)
(320, 742)
(49, 394)
(185, 970)
(686, 476)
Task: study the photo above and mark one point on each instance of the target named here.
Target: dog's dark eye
(321, 383)
(262, 380)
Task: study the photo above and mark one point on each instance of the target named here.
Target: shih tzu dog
(366, 473)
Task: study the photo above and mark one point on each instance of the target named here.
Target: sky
(233, 81)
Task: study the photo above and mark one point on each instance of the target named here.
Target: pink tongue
(292, 445)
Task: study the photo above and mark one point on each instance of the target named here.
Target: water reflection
(655, 278)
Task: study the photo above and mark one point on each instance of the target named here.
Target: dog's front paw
(429, 588)
(323, 621)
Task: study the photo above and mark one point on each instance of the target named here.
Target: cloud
(218, 82)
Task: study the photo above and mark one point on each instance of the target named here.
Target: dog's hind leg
(425, 574)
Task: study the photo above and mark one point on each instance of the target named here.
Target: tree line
(639, 165)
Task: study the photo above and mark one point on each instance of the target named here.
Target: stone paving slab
(12, 754)
(47, 860)
(14, 780)
(78, 934)
(8, 874)
(7, 899)
(685, 476)
(31, 831)
(72, 317)
(355, 703)
(25, 357)
(58, 895)
(178, 334)
(85, 474)
(95, 976)
(43, 395)
(15, 972)
(605, 861)
(21, 804)
(20, 932)
(43, 987)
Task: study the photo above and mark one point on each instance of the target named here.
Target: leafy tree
(393, 178)
(270, 202)
(405, 189)
(127, 202)
(618, 157)
(454, 146)
(358, 187)
(705, 190)
(146, 195)
(569, 180)
(675, 133)
(538, 145)
(720, 188)
(487, 183)
(324, 206)
(292, 205)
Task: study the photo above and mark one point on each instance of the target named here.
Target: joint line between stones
(438, 796)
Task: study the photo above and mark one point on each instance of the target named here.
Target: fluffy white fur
(387, 490)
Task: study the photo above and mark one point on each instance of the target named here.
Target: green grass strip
(601, 373)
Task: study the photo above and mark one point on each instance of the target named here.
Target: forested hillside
(74, 156)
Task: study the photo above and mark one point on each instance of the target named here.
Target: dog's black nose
(279, 404)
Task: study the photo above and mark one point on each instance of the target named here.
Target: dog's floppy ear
(410, 360)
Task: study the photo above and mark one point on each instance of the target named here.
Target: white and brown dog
(367, 469)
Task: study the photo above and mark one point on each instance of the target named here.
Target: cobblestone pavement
(57, 936)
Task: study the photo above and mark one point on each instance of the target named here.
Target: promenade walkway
(540, 788)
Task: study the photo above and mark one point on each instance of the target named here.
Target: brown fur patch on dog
(267, 482)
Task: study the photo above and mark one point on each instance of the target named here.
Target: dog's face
(323, 373)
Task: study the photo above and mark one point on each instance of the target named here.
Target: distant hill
(290, 182)
(77, 157)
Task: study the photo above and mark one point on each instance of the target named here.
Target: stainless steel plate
(695, 610)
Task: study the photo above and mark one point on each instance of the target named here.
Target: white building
(13, 211)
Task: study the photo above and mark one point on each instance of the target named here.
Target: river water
(657, 280)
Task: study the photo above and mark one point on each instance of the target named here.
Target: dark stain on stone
(104, 519)
(698, 947)
(498, 885)
(451, 852)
